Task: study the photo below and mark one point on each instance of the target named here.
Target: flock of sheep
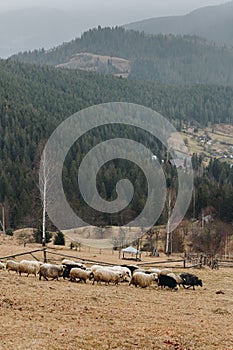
(107, 274)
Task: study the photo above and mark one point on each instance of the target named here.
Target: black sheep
(190, 280)
(68, 267)
(167, 281)
(132, 268)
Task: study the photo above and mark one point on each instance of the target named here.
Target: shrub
(59, 238)
(9, 232)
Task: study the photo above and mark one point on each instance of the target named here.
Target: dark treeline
(34, 100)
(161, 58)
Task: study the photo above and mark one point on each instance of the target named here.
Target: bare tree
(2, 221)
(211, 239)
(169, 205)
(119, 241)
(46, 177)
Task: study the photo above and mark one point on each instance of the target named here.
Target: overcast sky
(127, 10)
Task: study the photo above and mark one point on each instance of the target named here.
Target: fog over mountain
(140, 7)
(25, 25)
(213, 22)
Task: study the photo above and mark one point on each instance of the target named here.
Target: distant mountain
(213, 22)
(166, 59)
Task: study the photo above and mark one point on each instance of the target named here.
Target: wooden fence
(49, 255)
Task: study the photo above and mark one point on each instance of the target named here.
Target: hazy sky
(129, 9)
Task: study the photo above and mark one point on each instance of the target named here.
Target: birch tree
(45, 180)
(2, 221)
(171, 197)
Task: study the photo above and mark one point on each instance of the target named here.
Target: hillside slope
(213, 22)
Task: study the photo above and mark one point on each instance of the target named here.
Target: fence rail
(225, 263)
(78, 258)
(20, 254)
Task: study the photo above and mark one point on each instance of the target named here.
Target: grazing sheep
(167, 281)
(29, 267)
(50, 271)
(178, 279)
(107, 275)
(82, 275)
(132, 268)
(68, 267)
(142, 279)
(2, 266)
(190, 280)
(71, 262)
(126, 273)
(12, 265)
(97, 267)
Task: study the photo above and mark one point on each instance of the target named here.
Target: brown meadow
(58, 315)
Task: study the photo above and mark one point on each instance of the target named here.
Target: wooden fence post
(44, 254)
(201, 261)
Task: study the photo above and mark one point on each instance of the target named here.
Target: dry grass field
(61, 315)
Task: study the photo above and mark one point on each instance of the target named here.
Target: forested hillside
(161, 58)
(34, 100)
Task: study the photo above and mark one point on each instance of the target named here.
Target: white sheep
(12, 265)
(68, 265)
(50, 271)
(68, 262)
(126, 273)
(96, 267)
(142, 279)
(107, 275)
(2, 266)
(82, 275)
(29, 267)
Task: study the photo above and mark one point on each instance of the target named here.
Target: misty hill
(35, 99)
(169, 59)
(213, 22)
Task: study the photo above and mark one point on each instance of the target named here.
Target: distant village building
(178, 163)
